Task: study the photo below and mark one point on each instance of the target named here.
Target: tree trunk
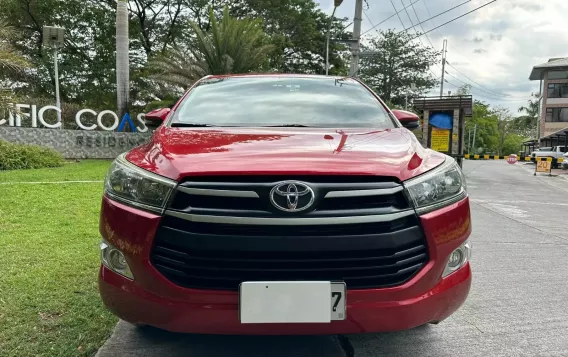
(122, 58)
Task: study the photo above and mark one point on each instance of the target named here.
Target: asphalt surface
(518, 304)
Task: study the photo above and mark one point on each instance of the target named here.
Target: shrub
(17, 157)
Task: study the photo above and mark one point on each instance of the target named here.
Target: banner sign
(37, 116)
(440, 140)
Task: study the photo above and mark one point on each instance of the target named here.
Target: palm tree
(529, 122)
(533, 107)
(10, 62)
(10, 59)
(122, 58)
(231, 46)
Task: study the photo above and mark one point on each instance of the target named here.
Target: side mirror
(408, 120)
(156, 117)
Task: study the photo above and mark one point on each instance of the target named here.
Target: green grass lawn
(49, 301)
(91, 170)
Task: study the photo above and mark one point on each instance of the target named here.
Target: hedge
(18, 157)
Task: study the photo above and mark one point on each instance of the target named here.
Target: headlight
(438, 188)
(137, 187)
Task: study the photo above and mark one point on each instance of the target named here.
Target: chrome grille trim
(296, 221)
(362, 193)
(220, 193)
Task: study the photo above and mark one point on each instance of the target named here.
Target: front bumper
(151, 299)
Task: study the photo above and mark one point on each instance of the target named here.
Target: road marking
(476, 200)
(46, 182)
(509, 210)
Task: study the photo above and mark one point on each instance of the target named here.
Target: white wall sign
(31, 111)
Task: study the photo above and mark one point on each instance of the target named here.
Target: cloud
(494, 37)
(516, 35)
(530, 7)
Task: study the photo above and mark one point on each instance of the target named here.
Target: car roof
(289, 75)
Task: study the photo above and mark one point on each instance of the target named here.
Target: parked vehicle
(554, 152)
(564, 164)
(284, 204)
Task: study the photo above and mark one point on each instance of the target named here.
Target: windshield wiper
(192, 125)
(288, 126)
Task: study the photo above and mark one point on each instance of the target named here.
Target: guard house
(443, 122)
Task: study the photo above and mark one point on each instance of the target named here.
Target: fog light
(113, 259)
(458, 259)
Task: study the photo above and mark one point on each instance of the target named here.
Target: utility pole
(56, 74)
(336, 4)
(474, 132)
(356, 47)
(54, 36)
(469, 141)
(444, 51)
(540, 104)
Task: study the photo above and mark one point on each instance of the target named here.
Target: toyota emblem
(292, 196)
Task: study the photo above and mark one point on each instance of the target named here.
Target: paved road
(518, 305)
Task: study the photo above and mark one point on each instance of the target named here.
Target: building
(554, 88)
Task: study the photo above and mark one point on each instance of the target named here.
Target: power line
(428, 10)
(397, 14)
(402, 23)
(440, 14)
(488, 95)
(385, 20)
(408, 15)
(449, 64)
(459, 17)
(422, 27)
(378, 33)
(488, 89)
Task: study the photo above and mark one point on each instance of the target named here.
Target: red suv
(284, 204)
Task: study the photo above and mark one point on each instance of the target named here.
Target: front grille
(194, 250)
(393, 200)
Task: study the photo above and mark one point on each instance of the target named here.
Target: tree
(486, 132)
(231, 46)
(399, 62)
(505, 127)
(464, 90)
(11, 63)
(122, 58)
(10, 59)
(533, 107)
(527, 124)
(295, 28)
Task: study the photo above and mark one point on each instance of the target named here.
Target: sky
(493, 49)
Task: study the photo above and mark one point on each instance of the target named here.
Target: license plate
(291, 302)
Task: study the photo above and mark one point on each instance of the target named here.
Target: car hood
(180, 152)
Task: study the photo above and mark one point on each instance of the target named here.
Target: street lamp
(336, 4)
(54, 37)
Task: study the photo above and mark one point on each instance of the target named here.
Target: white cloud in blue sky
(496, 46)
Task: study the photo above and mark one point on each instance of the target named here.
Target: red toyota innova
(284, 204)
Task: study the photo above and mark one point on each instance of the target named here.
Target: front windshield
(282, 101)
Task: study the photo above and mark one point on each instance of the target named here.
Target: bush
(18, 157)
